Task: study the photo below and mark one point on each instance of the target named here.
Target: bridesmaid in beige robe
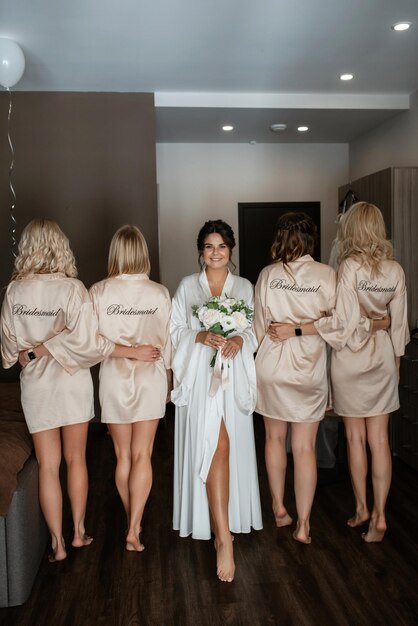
(365, 382)
(132, 310)
(292, 376)
(365, 365)
(45, 307)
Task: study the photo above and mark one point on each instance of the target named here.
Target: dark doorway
(257, 224)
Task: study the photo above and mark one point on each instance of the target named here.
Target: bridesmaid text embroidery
(118, 309)
(22, 309)
(366, 285)
(281, 283)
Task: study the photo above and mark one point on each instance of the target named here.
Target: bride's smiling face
(215, 252)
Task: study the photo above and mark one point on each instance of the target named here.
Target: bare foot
(301, 533)
(80, 541)
(375, 532)
(360, 518)
(133, 544)
(282, 518)
(58, 552)
(225, 561)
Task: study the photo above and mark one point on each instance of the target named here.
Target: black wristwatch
(31, 355)
(298, 331)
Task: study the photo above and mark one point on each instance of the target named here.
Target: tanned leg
(140, 478)
(303, 448)
(74, 439)
(377, 436)
(356, 435)
(276, 463)
(48, 453)
(122, 436)
(217, 488)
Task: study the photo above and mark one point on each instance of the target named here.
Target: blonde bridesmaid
(365, 382)
(134, 313)
(47, 317)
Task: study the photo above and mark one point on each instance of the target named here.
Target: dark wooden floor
(337, 580)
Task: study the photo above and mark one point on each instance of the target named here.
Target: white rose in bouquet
(210, 317)
(228, 323)
(201, 313)
(228, 303)
(241, 322)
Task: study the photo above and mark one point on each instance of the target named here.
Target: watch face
(298, 332)
(31, 355)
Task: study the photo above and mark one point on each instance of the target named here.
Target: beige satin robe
(292, 375)
(363, 370)
(133, 310)
(57, 311)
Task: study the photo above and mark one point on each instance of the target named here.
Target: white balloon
(12, 62)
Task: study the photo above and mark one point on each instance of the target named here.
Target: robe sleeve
(399, 329)
(9, 347)
(80, 344)
(166, 348)
(260, 323)
(245, 387)
(248, 335)
(185, 354)
(346, 326)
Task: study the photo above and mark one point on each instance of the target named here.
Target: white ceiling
(247, 62)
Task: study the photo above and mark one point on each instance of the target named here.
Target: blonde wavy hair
(362, 236)
(128, 252)
(44, 249)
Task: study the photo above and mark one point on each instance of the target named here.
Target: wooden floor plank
(337, 580)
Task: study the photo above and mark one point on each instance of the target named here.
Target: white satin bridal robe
(198, 416)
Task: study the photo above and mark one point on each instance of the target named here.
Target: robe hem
(200, 538)
(79, 421)
(362, 415)
(132, 421)
(289, 419)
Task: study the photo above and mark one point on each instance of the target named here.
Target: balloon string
(12, 206)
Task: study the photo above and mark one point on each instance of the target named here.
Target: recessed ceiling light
(303, 129)
(277, 128)
(346, 76)
(227, 127)
(401, 26)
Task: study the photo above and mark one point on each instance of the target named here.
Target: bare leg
(355, 431)
(121, 436)
(377, 436)
(303, 448)
(276, 463)
(217, 488)
(140, 478)
(74, 440)
(48, 453)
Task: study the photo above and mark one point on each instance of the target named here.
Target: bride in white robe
(199, 417)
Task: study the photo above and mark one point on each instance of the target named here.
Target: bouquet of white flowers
(223, 316)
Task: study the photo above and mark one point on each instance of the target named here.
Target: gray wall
(197, 182)
(392, 144)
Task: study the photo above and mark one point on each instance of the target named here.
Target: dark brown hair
(295, 236)
(221, 228)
